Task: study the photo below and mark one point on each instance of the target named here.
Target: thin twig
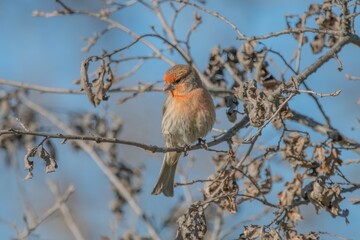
(113, 23)
(103, 167)
(141, 39)
(299, 78)
(258, 132)
(48, 212)
(131, 72)
(348, 77)
(353, 161)
(215, 14)
(325, 130)
(39, 88)
(289, 31)
(150, 86)
(239, 164)
(318, 104)
(250, 219)
(334, 235)
(69, 220)
(92, 40)
(333, 94)
(139, 88)
(191, 182)
(231, 132)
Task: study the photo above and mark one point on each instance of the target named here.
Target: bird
(188, 115)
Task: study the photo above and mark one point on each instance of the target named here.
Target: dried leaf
(231, 103)
(293, 215)
(325, 196)
(329, 163)
(85, 84)
(292, 234)
(223, 189)
(252, 232)
(314, 9)
(50, 162)
(287, 196)
(246, 55)
(331, 40)
(259, 232)
(192, 225)
(318, 43)
(215, 68)
(261, 188)
(294, 150)
(256, 104)
(97, 89)
(27, 162)
(266, 185)
(28, 176)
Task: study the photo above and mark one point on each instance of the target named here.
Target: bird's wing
(169, 138)
(166, 103)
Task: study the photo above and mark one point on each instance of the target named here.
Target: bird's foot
(186, 150)
(203, 143)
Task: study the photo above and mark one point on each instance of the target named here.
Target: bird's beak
(168, 87)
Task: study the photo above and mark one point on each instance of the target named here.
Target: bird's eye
(177, 81)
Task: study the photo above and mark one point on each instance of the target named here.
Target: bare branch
(321, 61)
(215, 14)
(103, 167)
(104, 18)
(142, 87)
(92, 40)
(38, 88)
(326, 130)
(318, 104)
(60, 201)
(353, 161)
(231, 132)
(69, 220)
(289, 31)
(349, 77)
(191, 182)
(258, 132)
(333, 94)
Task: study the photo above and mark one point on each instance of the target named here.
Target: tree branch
(140, 89)
(48, 213)
(122, 190)
(215, 14)
(69, 220)
(327, 131)
(289, 31)
(79, 138)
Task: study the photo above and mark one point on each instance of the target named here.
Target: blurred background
(47, 51)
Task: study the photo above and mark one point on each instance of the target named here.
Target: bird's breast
(188, 117)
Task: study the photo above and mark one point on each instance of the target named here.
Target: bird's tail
(165, 182)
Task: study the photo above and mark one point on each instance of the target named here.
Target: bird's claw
(186, 150)
(203, 143)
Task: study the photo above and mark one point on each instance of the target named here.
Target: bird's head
(181, 79)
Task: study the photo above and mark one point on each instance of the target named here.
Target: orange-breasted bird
(188, 115)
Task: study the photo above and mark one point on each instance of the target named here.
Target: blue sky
(46, 51)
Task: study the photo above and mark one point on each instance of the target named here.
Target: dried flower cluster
(192, 225)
